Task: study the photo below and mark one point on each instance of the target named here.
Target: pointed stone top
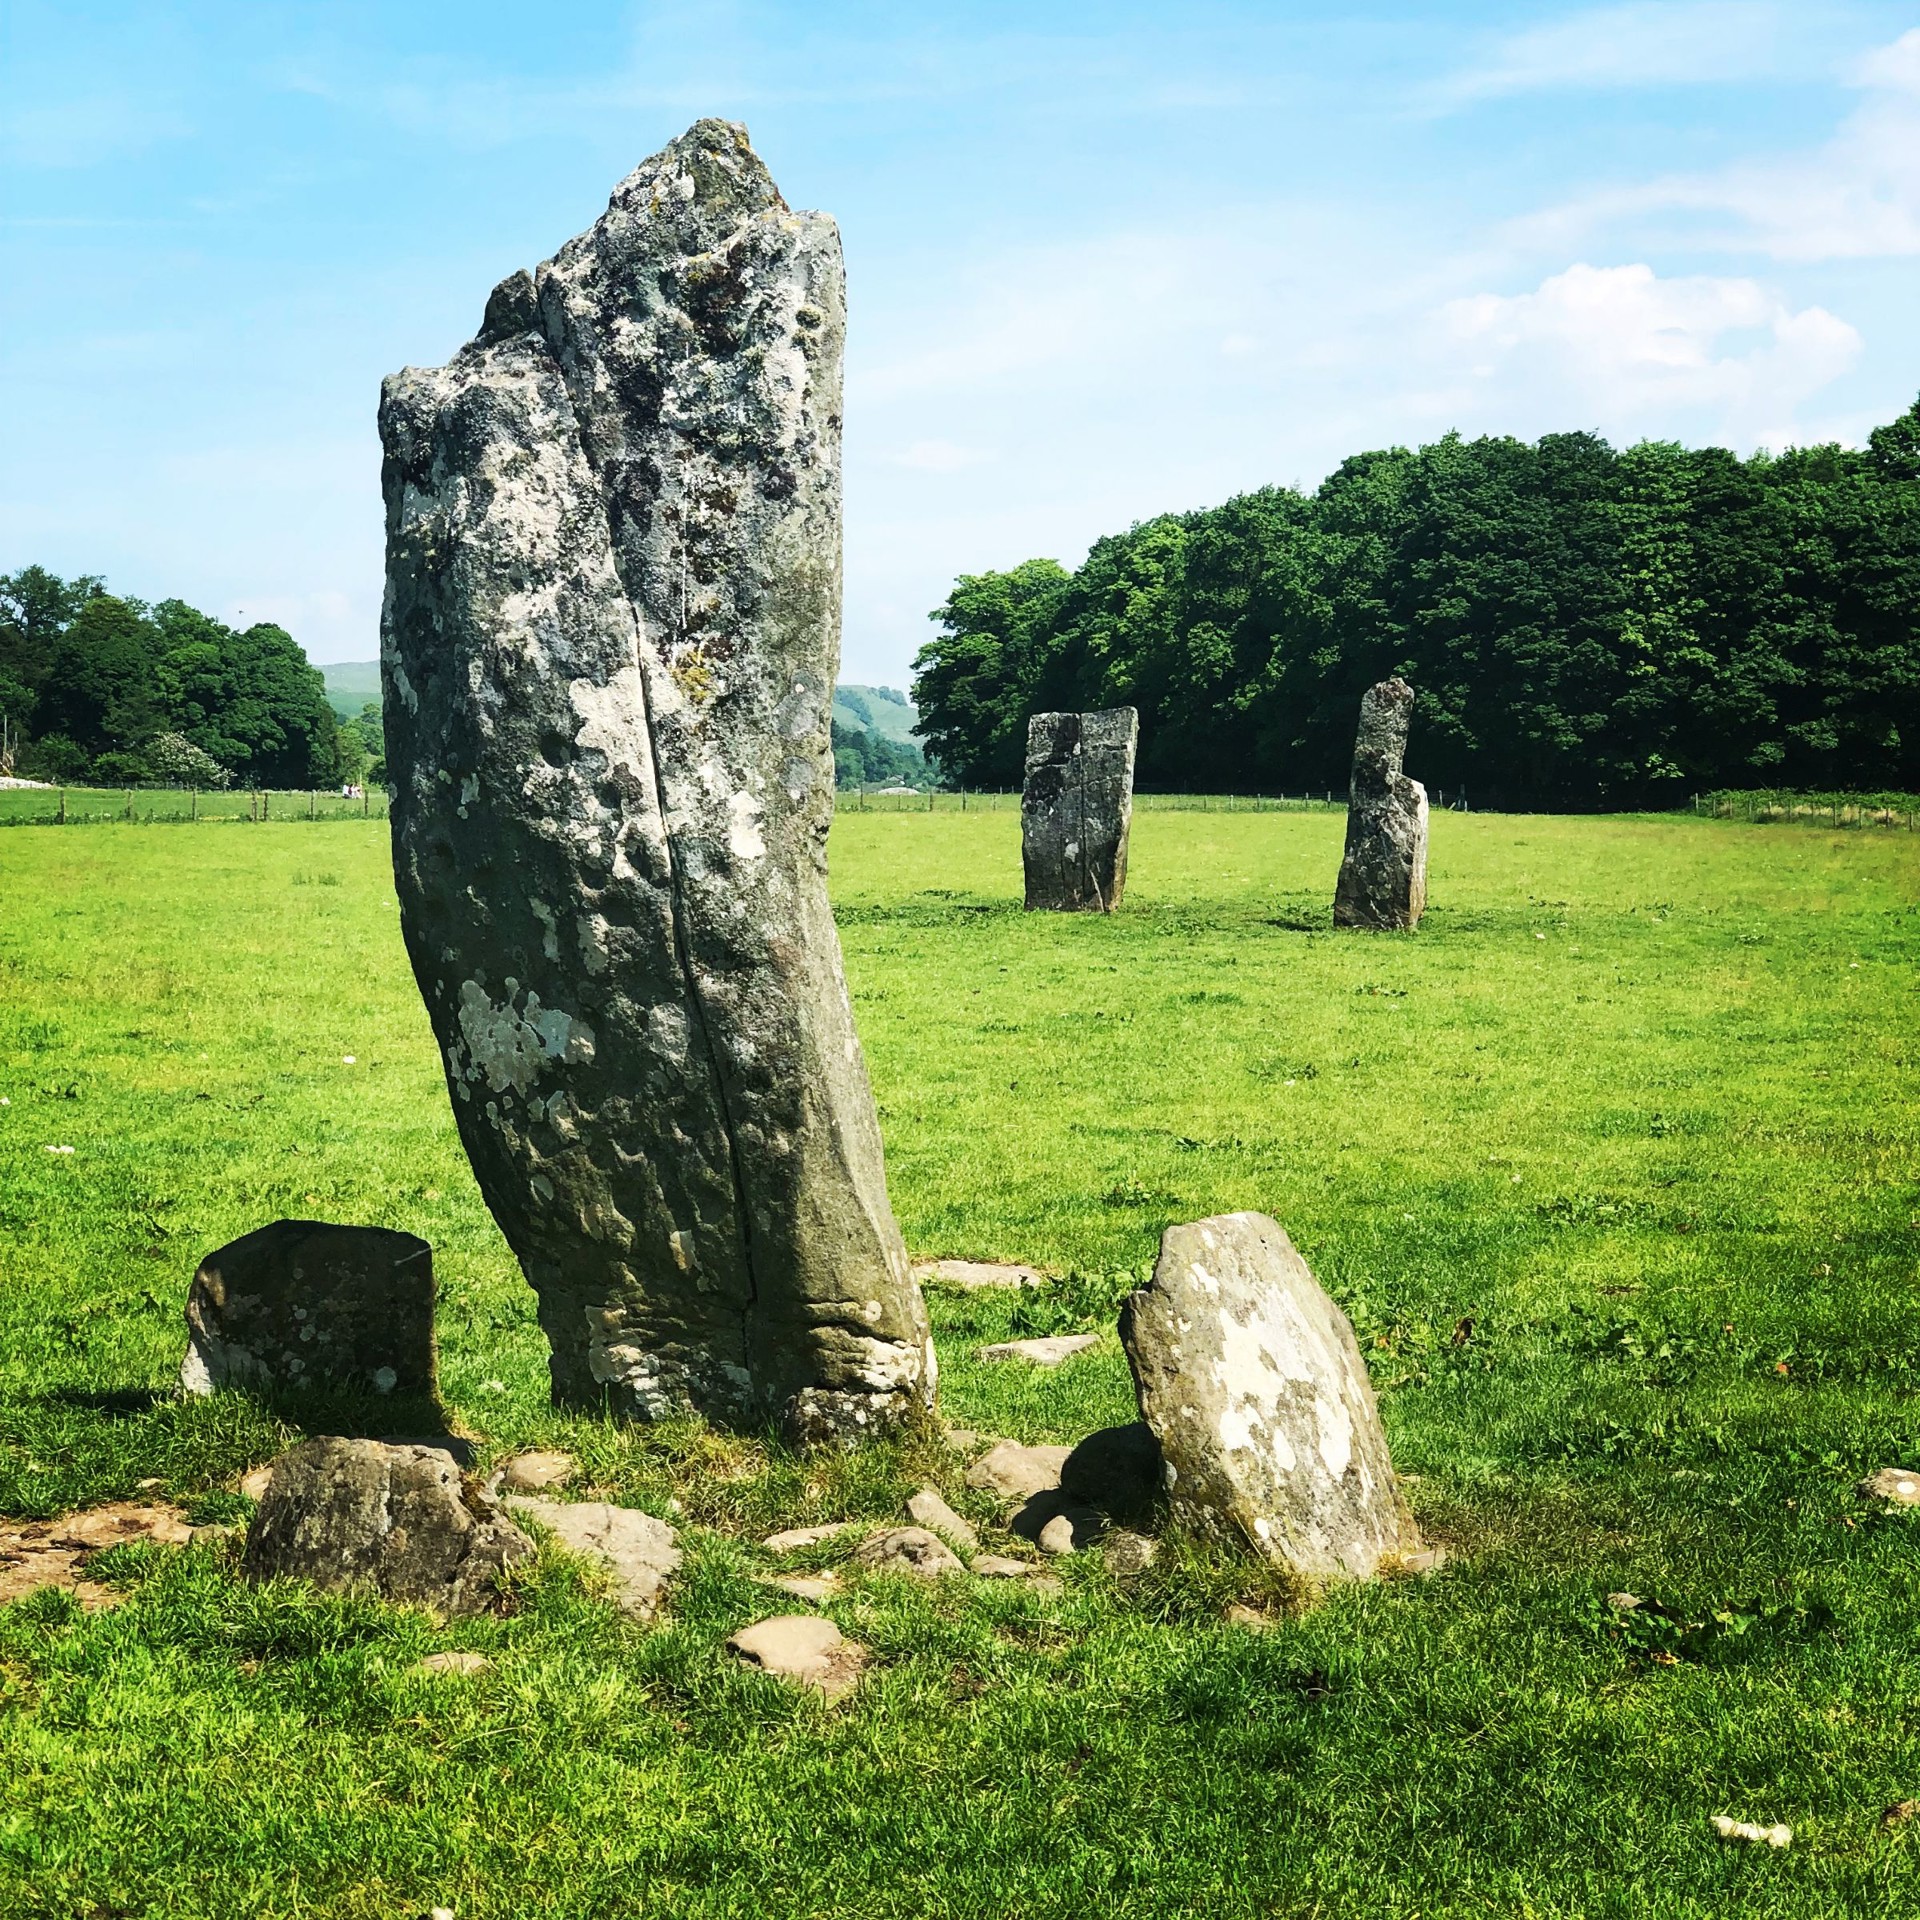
(711, 169)
(1380, 745)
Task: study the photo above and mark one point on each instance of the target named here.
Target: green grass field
(1613, 1165)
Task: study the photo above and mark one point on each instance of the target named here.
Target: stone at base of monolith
(305, 1304)
(1076, 809)
(1252, 1381)
(1383, 875)
(401, 1521)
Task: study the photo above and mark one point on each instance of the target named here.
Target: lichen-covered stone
(609, 645)
(403, 1522)
(1383, 874)
(1252, 1382)
(307, 1304)
(1076, 808)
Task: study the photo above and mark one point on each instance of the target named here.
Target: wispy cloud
(1645, 43)
(1855, 197)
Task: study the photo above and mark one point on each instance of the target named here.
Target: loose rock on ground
(804, 1648)
(640, 1553)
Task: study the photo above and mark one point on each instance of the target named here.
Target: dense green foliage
(110, 689)
(1583, 626)
(1612, 1165)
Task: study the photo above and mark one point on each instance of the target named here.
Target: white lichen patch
(745, 841)
(508, 1046)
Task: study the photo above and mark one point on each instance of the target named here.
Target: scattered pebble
(1042, 1353)
(347, 1060)
(997, 1566)
(493, 1386)
(927, 1509)
(1251, 1618)
(804, 1648)
(56, 1149)
(1623, 1602)
(797, 1537)
(254, 1485)
(802, 1586)
(1897, 1485)
(962, 1439)
(1126, 1554)
(1899, 1813)
(975, 1274)
(1057, 1535)
(453, 1663)
(537, 1472)
(1017, 1472)
(1730, 1829)
(912, 1550)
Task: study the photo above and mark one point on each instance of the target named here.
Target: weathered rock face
(1383, 876)
(403, 1521)
(304, 1304)
(609, 645)
(1252, 1382)
(1076, 808)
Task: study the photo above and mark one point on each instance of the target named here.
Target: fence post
(366, 803)
(63, 806)
(129, 805)
(309, 803)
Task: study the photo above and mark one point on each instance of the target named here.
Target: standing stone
(1076, 809)
(609, 645)
(1252, 1382)
(1383, 877)
(303, 1304)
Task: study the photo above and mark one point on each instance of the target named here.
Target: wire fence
(905, 800)
(154, 806)
(1769, 806)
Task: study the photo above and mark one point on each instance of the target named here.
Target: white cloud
(939, 456)
(1634, 352)
(1855, 198)
(1642, 44)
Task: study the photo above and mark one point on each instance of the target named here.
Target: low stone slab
(927, 1509)
(641, 1553)
(1252, 1381)
(802, 1586)
(305, 1303)
(804, 1648)
(402, 1521)
(998, 1566)
(54, 1553)
(1042, 1353)
(973, 1276)
(1016, 1472)
(537, 1472)
(1126, 1554)
(459, 1663)
(914, 1550)
(794, 1538)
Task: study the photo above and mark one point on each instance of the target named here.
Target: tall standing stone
(609, 646)
(1076, 809)
(1383, 877)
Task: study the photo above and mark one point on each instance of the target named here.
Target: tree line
(1583, 626)
(98, 688)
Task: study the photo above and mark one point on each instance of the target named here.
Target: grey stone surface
(402, 1521)
(539, 1472)
(972, 1276)
(1252, 1381)
(640, 1553)
(1899, 1486)
(793, 1538)
(997, 1566)
(1056, 1523)
(1016, 1472)
(804, 1648)
(306, 1304)
(609, 644)
(1383, 875)
(1126, 1554)
(1048, 1352)
(460, 1663)
(928, 1509)
(802, 1586)
(1076, 809)
(914, 1550)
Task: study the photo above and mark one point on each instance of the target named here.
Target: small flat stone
(1041, 1353)
(927, 1509)
(912, 1550)
(1900, 1486)
(640, 1552)
(1251, 1618)
(974, 1275)
(804, 1648)
(962, 1439)
(1421, 1562)
(254, 1485)
(537, 1472)
(1058, 1535)
(54, 1553)
(1016, 1472)
(1126, 1554)
(802, 1586)
(997, 1566)
(453, 1663)
(797, 1537)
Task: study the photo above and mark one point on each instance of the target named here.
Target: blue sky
(1104, 260)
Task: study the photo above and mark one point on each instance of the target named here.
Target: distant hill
(885, 711)
(351, 684)
(881, 710)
